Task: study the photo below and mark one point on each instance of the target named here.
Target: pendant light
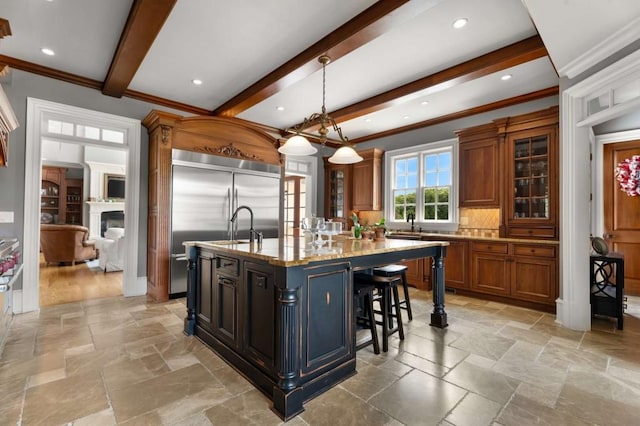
(299, 145)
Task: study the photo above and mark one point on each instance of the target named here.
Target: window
(422, 185)
(58, 127)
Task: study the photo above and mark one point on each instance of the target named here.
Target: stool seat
(388, 289)
(397, 270)
(389, 270)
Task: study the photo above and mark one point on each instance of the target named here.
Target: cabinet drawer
(541, 232)
(228, 265)
(492, 247)
(537, 251)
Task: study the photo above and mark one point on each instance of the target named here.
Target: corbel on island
(283, 314)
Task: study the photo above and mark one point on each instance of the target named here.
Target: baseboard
(16, 298)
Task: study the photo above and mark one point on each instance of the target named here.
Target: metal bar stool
(397, 270)
(363, 303)
(387, 288)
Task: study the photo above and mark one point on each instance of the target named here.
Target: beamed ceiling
(396, 65)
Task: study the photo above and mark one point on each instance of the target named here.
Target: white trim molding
(37, 111)
(573, 306)
(610, 45)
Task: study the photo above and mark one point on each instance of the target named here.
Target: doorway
(93, 129)
(622, 214)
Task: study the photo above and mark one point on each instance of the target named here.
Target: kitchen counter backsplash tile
(481, 219)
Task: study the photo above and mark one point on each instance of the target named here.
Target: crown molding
(607, 47)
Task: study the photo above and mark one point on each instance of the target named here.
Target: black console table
(607, 286)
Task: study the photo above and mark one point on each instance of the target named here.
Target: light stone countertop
(291, 251)
(471, 236)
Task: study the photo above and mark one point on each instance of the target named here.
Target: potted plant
(357, 228)
(380, 229)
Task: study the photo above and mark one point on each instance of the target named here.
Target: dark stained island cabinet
(283, 316)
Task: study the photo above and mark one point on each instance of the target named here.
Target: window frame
(421, 151)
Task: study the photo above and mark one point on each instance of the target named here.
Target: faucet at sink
(411, 216)
(252, 231)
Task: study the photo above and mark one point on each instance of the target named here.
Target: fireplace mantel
(95, 209)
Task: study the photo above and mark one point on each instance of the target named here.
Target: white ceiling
(231, 44)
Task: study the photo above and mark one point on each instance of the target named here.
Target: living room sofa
(66, 244)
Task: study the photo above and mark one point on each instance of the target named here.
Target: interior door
(622, 214)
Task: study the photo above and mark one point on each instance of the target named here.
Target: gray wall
(436, 133)
(20, 85)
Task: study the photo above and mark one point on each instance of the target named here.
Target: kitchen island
(282, 313)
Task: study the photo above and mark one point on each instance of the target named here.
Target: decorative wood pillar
(225, 137)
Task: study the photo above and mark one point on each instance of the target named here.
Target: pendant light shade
(345, 155)
(297, 145)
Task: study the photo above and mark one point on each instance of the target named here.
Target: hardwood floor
(85, 280)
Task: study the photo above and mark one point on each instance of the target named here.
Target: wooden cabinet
(530, 205)
(456, 265)
(479, 170)
(490, 268)
(204, 290)
(8, 119)
(525, 272)
(351, 187)
(51, 191)
(416, 273)
(367, 181)
(259, 318)
(226, 313)
(337, 186)
(61, 199)
(74, 201)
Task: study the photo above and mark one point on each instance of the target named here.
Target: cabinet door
(455, 265)
(327, 329)
(479, 184)
(337, 201)
(225, 309)
(204, 290)
(534, 273)
(415, 273)
(259, 318)
(489, 273)
(367, 181)
(532, 183)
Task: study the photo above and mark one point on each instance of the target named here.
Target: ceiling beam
(145, 20)
(515, 54)
(503, 103)
(383, 16)
(30, 67)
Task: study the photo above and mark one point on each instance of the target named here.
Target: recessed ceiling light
(280, 108)
(406, 117)
(367, 120)
(459, 23)
(506, 77)
(47, 51)
(196, 82)
(424, 103)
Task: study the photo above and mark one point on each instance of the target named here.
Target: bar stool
(397, 270)
(387, 288)
(363, 303)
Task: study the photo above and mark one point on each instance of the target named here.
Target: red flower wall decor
(628, 175)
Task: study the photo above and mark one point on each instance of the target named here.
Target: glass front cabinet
(337, 192)
(531, 183)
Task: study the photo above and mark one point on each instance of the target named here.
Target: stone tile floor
(126, 361)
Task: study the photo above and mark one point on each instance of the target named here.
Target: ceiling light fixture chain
(299, 145)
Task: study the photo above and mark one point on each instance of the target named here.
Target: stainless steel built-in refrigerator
(205, 191)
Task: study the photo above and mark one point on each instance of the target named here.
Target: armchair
(66, 243)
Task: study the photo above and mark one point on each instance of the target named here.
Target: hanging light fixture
(299, 145)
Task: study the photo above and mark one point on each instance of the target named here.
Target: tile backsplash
(486, 219)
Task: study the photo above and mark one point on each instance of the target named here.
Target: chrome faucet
(411, 216)
(252, 231)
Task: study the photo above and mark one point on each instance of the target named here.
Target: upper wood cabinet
(479, 179)
(530, 205)
(8, 123)
(367, 181)
(353, 186)
(337, 187)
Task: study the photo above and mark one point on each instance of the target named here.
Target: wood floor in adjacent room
(65, 283)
